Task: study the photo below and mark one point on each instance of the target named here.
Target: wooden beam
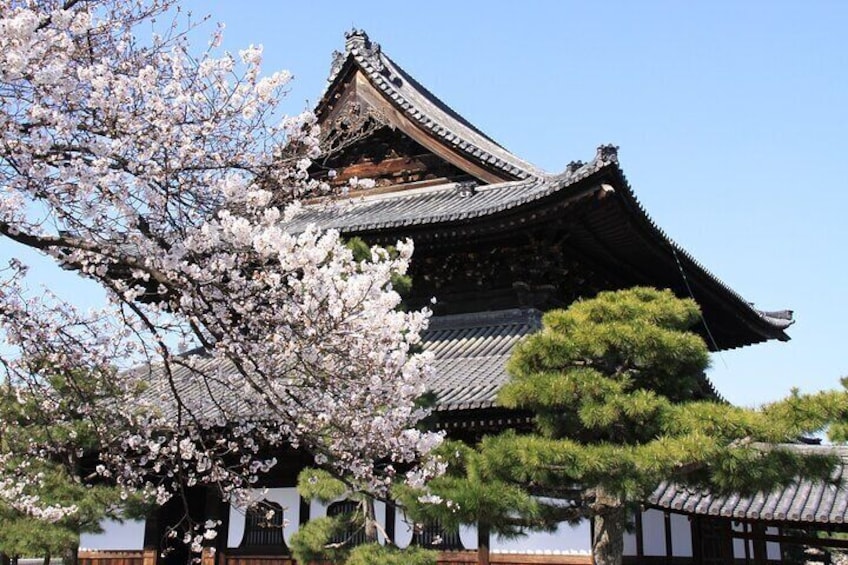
(794, 539)
(669, 549)
(303, 511)
(370, 95)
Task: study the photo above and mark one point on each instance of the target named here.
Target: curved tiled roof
(438, 204)
(470, 353)
(802, 502)
(452, 205)
(628, 231)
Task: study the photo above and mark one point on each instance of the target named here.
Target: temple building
(498, 242)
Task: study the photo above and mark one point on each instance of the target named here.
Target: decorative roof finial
(573, 167)
(607, 153)
(354, 37)
(358, 43)
(466, 189)
(336, 65)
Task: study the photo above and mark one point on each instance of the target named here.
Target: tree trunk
(46, 560)
(71, 555)
(370, 521)
(5, 559)
(609, 523)
(483, 534)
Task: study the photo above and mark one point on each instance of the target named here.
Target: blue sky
(730, 118)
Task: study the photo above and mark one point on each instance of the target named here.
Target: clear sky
(731, 119)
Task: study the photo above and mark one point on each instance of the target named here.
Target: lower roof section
(804, 502)
(470, 353)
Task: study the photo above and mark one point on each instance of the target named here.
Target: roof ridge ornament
(607, 153)
(573, 167)
(336, 65)
(359, 44)
(465, 189)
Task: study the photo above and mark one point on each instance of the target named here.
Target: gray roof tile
(804, 501)
(470, 353)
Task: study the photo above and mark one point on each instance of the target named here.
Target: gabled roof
(417, 108)
(803, 502)
(604, 218)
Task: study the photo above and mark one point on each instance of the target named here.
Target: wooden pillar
(695, 523)
(760, 553)
(726, 533)
(303, 514)
(483, 535)
(149, 556)
(640, 539)
(152, 546)
(390, 523)
(215, 508)
(669, 549)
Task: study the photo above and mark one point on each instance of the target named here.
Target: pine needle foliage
(622, 404)
(375, 554)
(67, 474)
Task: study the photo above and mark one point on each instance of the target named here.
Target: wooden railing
(111, 558)
(468, 557)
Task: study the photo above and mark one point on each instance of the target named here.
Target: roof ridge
(436, 119)
(527, 316)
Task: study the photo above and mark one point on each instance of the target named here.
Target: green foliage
(636, 338)
(375, 554)
(617, 386)
(402, 284)
(320, 485)
(66, 479)
(469, 494)
(621, 402)
(311, 541)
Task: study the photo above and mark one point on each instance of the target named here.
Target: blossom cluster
(171, 179)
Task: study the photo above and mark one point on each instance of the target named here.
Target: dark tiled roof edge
(800, 502)
(779, 320)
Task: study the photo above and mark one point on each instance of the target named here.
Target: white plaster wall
(403, 529)
(285, 497)
(653, 532)
(115, 535)
(681, 536)
(772, 548)
(630, 543)
(566, 538)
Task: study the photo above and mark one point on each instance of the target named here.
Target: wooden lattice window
(432, 535)
(354, 533)
(263, 528)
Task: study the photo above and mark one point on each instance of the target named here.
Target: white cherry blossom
(169, 177)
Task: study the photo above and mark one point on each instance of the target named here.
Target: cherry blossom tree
(169, 177)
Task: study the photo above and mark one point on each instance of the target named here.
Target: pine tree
(66, 475)
(467, 494)
(621, 402)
